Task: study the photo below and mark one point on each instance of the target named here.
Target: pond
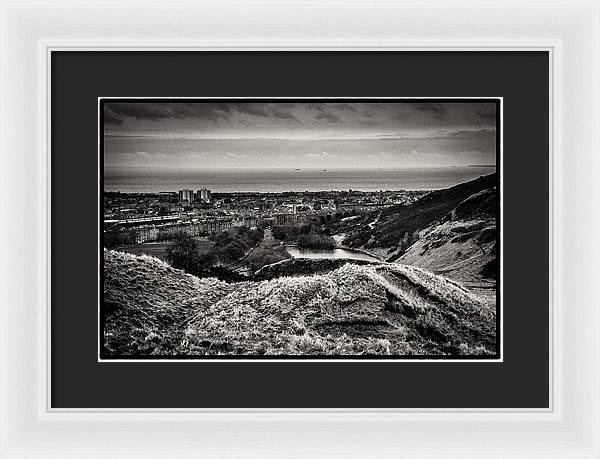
(334, 253)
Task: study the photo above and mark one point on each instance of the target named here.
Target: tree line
(309, 235)
(228, 247)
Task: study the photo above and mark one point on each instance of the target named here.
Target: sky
(282, 134)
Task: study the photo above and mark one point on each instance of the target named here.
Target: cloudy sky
(298, 135)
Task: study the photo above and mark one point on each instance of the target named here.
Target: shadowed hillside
(384, 231)
(463, 245)
(378, 308)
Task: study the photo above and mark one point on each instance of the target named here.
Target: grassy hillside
(146, 303)
(386, 229)
(463, 245)
(379, 308)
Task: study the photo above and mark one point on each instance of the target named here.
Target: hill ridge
(384, 230)
(379, 308)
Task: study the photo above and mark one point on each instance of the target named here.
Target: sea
(150, 180)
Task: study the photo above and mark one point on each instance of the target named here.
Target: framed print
(273, 230)
(190, 283)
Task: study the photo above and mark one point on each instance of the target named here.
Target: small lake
(334, 253)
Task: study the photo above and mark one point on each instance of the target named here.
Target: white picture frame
(569, 30)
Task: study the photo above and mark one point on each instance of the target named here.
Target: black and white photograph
(287, 228)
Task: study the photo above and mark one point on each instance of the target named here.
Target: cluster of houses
(157, 215)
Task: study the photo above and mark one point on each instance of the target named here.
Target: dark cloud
(283, 114)
(249, 109)
(327, 116)
(110, 117)
(489, 113)
(329, 112)
(116, 113)
(162, 111)
(142, 111)
(223, 115)
(436, 110)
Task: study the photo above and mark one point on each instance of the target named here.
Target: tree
(234, 243)
(207, 259)
(408, 240)
(266, 254)
(183, 253)
(116, 236)
(279, 233)
(314, 240)
(263, 224)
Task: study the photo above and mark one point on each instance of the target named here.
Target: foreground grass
(147, 303)
(372, 309)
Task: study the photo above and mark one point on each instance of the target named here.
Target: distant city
(155, 216)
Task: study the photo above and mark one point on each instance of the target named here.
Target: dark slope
(463, 244)
(385, 229)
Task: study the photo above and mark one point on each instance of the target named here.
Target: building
(186, 196)
(203, 195)
(283, 218)
(293, 207)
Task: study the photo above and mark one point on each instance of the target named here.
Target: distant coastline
(147, 180)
